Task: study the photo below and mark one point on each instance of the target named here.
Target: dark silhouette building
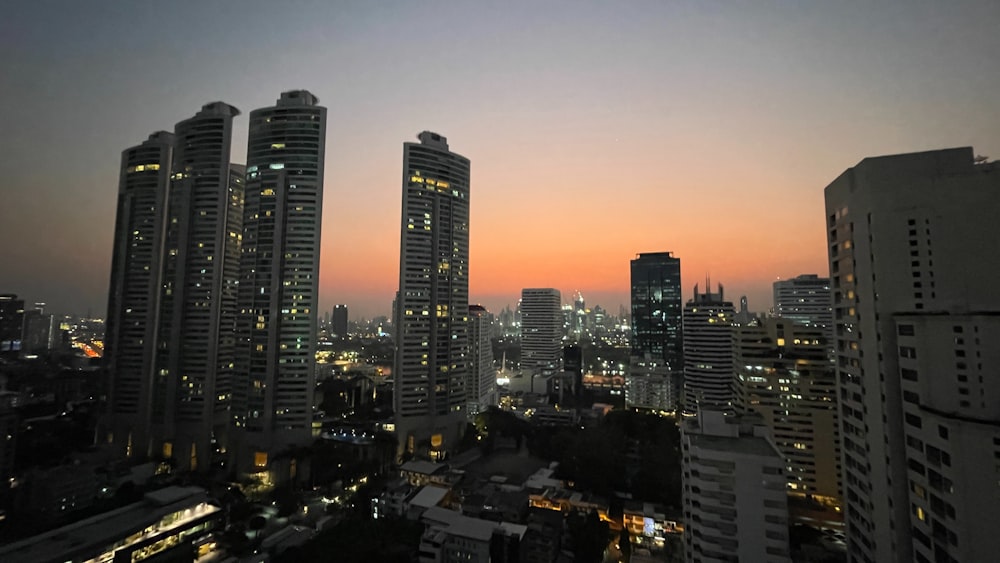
(657, 308)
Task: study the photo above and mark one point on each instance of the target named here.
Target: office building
(805, 300)
(541, 331)
(11, 322)
(278, 295)
(339, 321)
(708, 351)
(481, 383)
(657, 309)
(432, 324)
(911, 235)
(735, 506)
(133, 297)
(41, 332)
(192, 386)
(784, 373)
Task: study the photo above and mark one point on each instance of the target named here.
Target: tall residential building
(40, 333)
(735, 506)
(132, 321)
(784, 374)
(541, 330)
(806, 300)
(911, 238)
(192, 387)
(11, 322)
(278, 295)
(657, 309)
(340, 320)
(481, 381)
(432, 324)
(708, 351)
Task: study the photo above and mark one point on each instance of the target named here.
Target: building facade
(806, 300)
(339, 321)
(657, 310)
(11, 322)
(541, 330)
(432, 309)
(907, 234)
(278, 293)
(735, 506)
(783, 372)
(708, 351)
(133, 297)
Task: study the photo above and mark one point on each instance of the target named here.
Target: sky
(596, 130)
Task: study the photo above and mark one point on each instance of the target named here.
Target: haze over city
(595, 130)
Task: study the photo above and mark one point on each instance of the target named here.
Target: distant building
(784, 374)
(651, 387)
(432, 311)
(278, 298)
(541, 330)
(41, 332)
(735, 505)
(657, 309)
(911, 241)
(11, 322)
(708, 351)
(805, 300)
(339, 321)
(481, 382)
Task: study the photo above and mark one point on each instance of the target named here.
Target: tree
(257, 523)
(625, 545)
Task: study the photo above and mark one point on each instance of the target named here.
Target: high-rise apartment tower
(278, 298)
(432, 307)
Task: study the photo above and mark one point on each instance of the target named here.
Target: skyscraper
(278, 298)
(708, 351)
(911, 242)
(805, 300)
(340, 320)
(192, 386)
(133, 297)
(432, 309)
(541, 330)
(481, 383)
(657, 309)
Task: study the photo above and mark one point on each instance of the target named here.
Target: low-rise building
(450, 537)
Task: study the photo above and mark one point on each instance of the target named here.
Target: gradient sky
(596, 130)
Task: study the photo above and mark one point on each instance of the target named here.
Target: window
(905, 330)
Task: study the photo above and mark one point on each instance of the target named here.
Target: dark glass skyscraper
(657, 309)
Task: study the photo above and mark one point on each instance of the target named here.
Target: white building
(735, 505)
(432, 308)
(651, 386)
(278, 295)
(911, 233)
(450, 537)
(541, 330)
(481, 381)
(708, 351)
(951, 418)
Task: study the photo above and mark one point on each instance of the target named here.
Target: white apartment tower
(278, 297)
(541, 330)
(130, 340)
(912, 241)
(432, 308)
(192, 386)
(735, 506)
(481, 382)
(708, 351)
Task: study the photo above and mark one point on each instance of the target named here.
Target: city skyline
(744, 112)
